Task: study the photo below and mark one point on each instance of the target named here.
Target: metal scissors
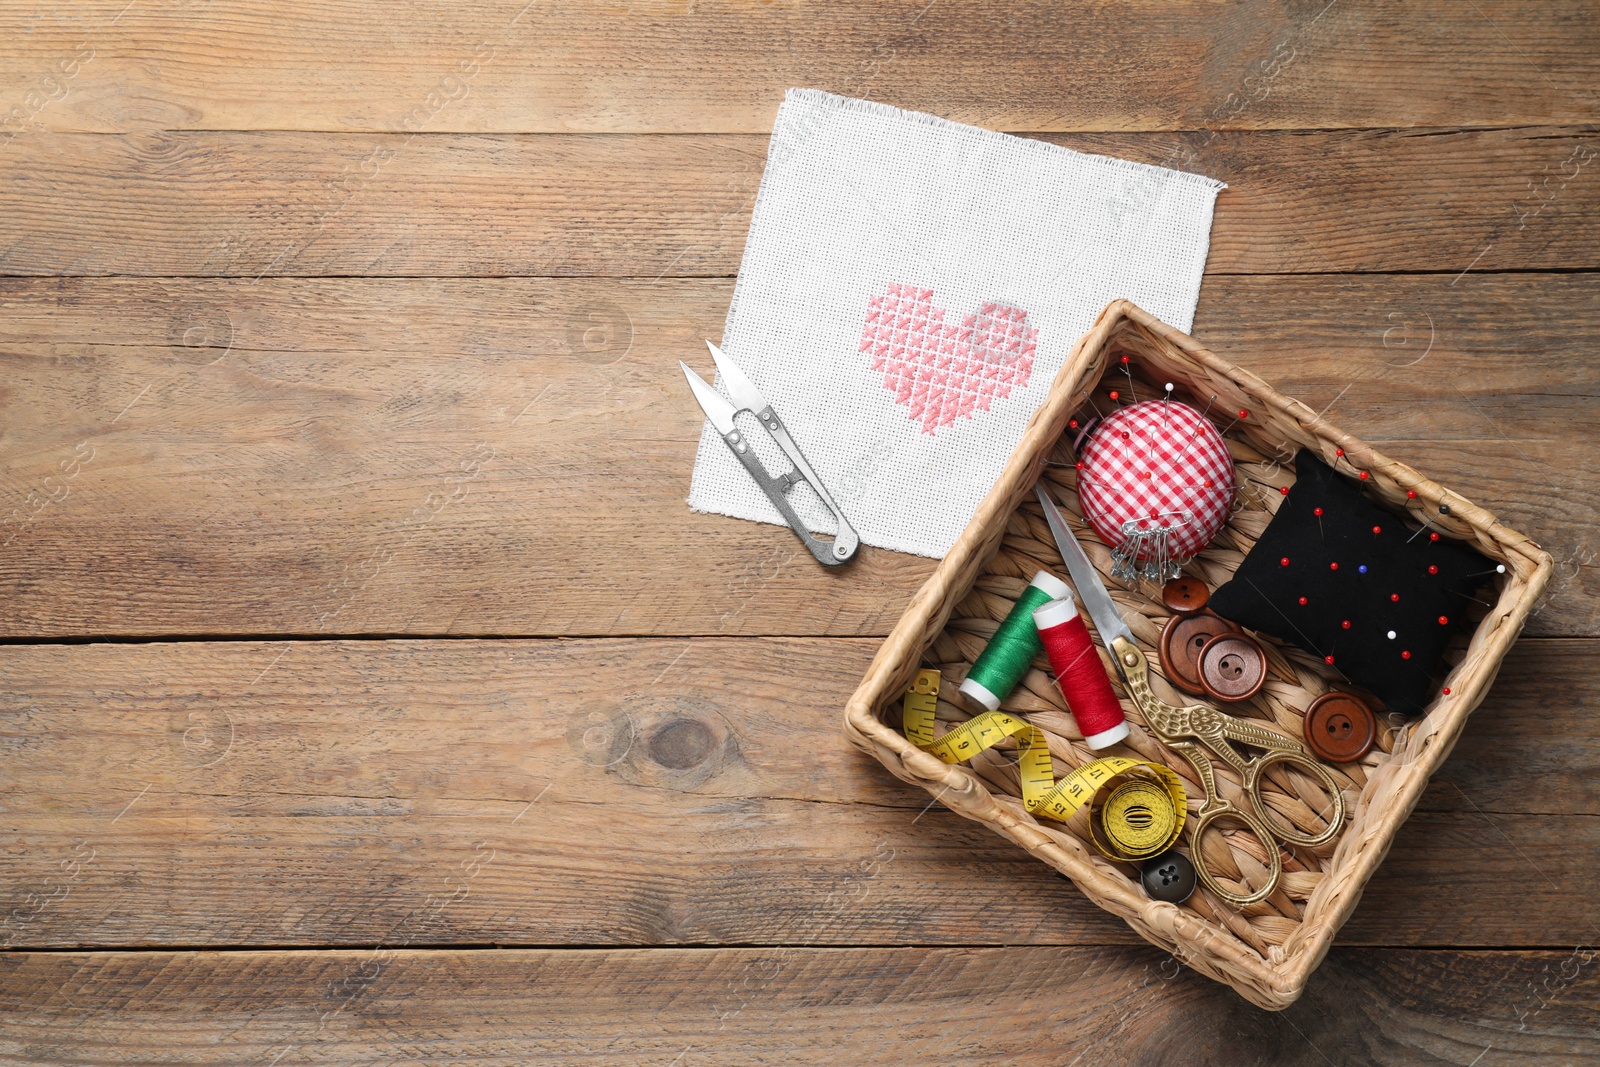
(1193, 729)
(747, 398)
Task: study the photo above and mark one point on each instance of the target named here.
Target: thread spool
(1079, 672)
(1006, 657)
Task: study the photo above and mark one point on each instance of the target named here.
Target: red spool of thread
(1079, 673)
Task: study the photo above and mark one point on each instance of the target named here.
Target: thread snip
(1005, 659)
(1079, 672)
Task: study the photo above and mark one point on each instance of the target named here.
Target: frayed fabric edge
(872, 107)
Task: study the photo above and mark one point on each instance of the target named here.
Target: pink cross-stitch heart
(940, 371)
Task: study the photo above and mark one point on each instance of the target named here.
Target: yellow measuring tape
(1141, 817)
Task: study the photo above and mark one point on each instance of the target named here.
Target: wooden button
(1181, 640)
(1185, 596)
(1232, 667)
(1340, 727)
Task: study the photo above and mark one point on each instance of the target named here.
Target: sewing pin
(1127, 368)
(1339, 454)
(1166, 416)
(1127, 439)
(1201, 422)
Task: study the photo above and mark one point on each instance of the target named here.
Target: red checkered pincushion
(1152, 465)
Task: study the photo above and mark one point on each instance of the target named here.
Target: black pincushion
(1397, 593)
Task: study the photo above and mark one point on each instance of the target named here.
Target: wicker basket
(1268, 950)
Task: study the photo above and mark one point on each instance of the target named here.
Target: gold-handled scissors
(1193, 729)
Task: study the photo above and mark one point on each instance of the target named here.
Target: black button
(1168, 877)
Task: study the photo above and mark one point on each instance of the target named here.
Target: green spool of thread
(1006, 657)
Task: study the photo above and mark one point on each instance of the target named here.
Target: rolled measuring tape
(1141, 816)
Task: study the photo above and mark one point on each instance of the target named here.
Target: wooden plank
(248, 204)
(631, 792)
(869, 1006)
(477, 66)
(511, 457)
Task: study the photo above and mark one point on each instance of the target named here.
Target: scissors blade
(718, 410)
(1091, 590)
(741, 389)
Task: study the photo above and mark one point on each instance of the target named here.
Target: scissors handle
(1213, 729)
(1216, 808)
(1293, 835)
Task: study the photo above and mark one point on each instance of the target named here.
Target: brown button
(1181, 640)
(1232, 667)
(1340, 727)
(1185, 596)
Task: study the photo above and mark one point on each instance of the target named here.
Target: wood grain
(350, 456)
(631, 792)
(253, 204)
(870, 1006)
(202, 434)
(696, 67)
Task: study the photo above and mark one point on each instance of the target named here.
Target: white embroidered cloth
(909, 290)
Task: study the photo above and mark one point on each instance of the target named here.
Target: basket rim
(1269, 983)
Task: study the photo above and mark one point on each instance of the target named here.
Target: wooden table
(370, 695)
